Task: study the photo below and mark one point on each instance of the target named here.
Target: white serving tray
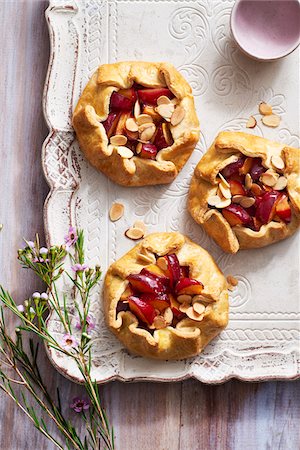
(262, 338)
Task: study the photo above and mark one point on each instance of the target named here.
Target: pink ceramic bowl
(266, 29)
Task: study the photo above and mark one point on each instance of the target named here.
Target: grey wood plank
(185, 416)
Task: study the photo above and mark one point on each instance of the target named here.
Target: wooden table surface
(186, 415)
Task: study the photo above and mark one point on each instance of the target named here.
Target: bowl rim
(251, 55)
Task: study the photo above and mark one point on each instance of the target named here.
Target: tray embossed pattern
(262, 339)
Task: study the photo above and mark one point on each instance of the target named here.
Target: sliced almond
(213, 200)
(202, 298)
(137, 109)
(232, 280)
(248, 181)
(125, 152)
(269, 178)
(224, 181)
(116, 212)
(131, 125)
(225, 191)
(223, 203)
(271, 121)
(140, 224)
(256, 189)
(265, 109)
(177, 116)
(138, 148)
(184, 298)
(184, 307)
(159, 322)
(146, 258)
(144, 118)
(118, 139)
(251, 122)
(134, 233)
(192, 314)
(162, 263)
(237, 198)
(199, 308)
(281, 184)
(168, 315)
(163, 100)
(247, 202)
(166, 111)
(167, 134)
(147, 134)
(278, 162)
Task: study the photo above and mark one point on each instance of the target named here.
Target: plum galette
(136, 122)
(166, 298)
(245, 191)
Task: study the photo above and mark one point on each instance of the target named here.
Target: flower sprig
(49, 265)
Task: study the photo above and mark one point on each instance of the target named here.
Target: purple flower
(69, 341)
(79, 404)
(43, 251)
(71, 237)
(90, 323)
(21, 308)
(79, 267)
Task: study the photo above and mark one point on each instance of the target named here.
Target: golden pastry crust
(93, 108)
(189, 337)
(224, 151)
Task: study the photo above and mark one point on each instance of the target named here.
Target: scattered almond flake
(251, 122)
(166, 111)
(232, 280)
(146, 125)
(159, 322)
(168, 315)
(202, 298)
(223, 203)
(125, 152)
(184, 307)
(138, 148)
(145, 258)
(184, 298)
(134, 233)
(1, 226)
(118, 139)
(144, 118)
(278, 162)
(163, 100)
(265, 109)
(281, 184)
(271, 121)
(225, 191)
(248, 181)
(256, 189)
(237, 198)
(131, 125)
(224, 181)
(140, 224)
(191, 313)
(213, 200)
(269, 179)
(137, 109)
(177, 116)
(116, 212)
(167, 134)
(162, 263)
(247, 202)
(147, 134)
(199, 308)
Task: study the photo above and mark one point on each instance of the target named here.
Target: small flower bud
(21, 308)
(30, 244)
(31, 310)
(43, 251)
(36, 295)
(87, 336)
(26, 303)
(44, 296)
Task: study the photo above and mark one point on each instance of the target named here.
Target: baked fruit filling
(163, 294)
(139, 120)
(249, 195)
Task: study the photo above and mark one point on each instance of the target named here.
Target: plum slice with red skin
(150, 96)
(141, 309)
(173, 268)
(149, 151)
(129, 93)
(120, 103)
(160, 302)
(110, 123)
(236, 188)
(160, 140)
(266, 208)
(233, 168)
(283, 209)
(236, 215)
(142, 283)
(257, 169)
(188, 286)
(160, 279)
